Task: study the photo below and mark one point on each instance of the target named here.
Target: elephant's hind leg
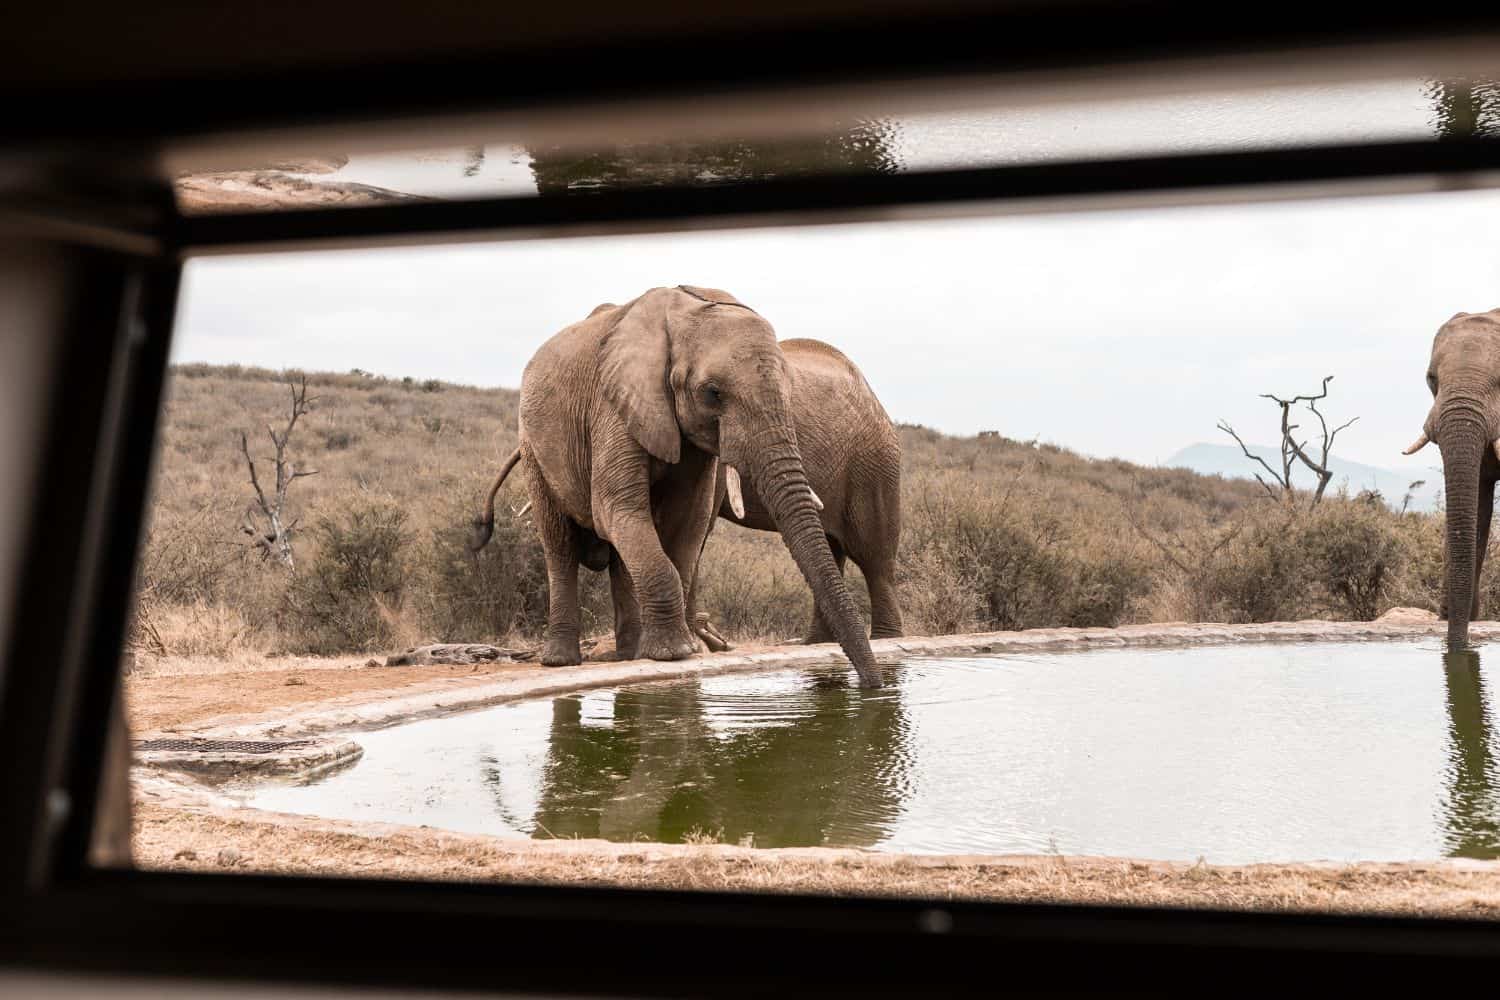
(559, 536)
(627, 611)
(885, 610)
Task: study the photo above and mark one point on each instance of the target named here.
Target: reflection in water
(860, 147)
(1471, 812)
(806, 762)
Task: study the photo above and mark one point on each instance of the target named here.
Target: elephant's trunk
(777, 472)
(1463, 437)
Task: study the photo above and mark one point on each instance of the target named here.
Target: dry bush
(752, 589)
(936, 598)
(490, 595)
(1356, 551)
(1262, 574)
(1247, 567)
(1027, 559)
(203, 630)
(350, 596)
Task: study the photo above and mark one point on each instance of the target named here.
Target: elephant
(853, 457)
(1465, 422)
(625, 419)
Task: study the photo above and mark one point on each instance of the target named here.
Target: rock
(258, 190)
(456, 652)
(228, 857)
(1408, 616)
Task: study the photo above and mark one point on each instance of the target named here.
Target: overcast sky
(1117, 334)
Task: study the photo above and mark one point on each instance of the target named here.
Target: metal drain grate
(222, 746)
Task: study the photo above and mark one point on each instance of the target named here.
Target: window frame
(123, 253)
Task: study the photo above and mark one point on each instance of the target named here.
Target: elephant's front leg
(658, 586)
(624, 513)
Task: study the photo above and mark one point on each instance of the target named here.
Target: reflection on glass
(1464, 109)
(857, 147)
(880, 141)
(1471, 810)
(675, 760)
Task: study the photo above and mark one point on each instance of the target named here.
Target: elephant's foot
(711, 636)
(887, 633)
(628, 645)
(668, 642)
(561, 651)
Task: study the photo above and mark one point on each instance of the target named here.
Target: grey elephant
(625, 419)
(853, 457)
(1464, 377)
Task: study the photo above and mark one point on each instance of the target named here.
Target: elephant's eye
(711, 394)
(1432, 381)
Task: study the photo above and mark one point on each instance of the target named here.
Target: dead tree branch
(1283, 482)
(1293, 450)
(275, 537)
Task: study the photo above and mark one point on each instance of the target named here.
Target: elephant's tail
(484, 524)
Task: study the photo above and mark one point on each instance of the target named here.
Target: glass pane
(1409, 109)
(1153, 597)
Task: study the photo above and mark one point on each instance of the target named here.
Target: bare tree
(274, 537)
(1410, 490)
(1292, 449)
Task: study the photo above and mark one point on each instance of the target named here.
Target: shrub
(1260, 575)
(1355, 552)
(488, 595)
(751, 588)
(350, 595)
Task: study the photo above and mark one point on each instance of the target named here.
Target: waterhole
(1235, 754)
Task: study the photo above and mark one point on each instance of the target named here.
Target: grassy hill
(997, 533)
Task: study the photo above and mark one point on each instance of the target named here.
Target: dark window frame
(61, 911)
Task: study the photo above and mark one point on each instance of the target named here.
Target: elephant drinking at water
(853, 456)
(625, 419)
(1463, 375)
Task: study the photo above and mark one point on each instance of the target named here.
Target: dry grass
(997, 534)
(169, 839)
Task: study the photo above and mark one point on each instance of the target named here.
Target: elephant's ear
(635, 358)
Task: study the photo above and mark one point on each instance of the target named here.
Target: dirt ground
(166, 702)
(218, 841)
(194, 831)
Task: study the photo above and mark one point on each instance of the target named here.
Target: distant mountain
(1227, 460)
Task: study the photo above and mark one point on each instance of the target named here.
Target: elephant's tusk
(736, 498)
(523, 510)
(1423, 442)
(1496, 446)
(814, 494)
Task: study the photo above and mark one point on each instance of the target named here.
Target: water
(1237, 754)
